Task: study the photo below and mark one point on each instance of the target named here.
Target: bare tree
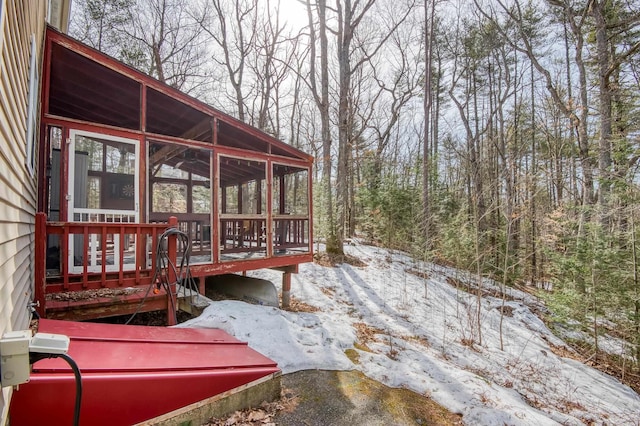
(158, 37)
(615, 26)
(429, 32)
(320, 91)
(349, 16)
(524, 41)
(171, 42)
(98, 23)
(270, 67)
(232, 25)
(398, 80)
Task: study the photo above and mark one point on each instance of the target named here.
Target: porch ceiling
(87, 85)
(82, 89)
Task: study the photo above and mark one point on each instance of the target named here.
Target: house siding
(21, 19)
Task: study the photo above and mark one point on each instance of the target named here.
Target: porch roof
(87, 85)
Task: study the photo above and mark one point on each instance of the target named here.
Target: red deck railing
(77, 256)
(247, 234)
(243, 235)
(100, 265)
(291, 233)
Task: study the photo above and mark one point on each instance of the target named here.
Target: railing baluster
(85, 257)
(154, 245)
(140, 255)
(121, 254)
(104, 256)
(64, 257)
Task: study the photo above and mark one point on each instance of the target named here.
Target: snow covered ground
(422, 334)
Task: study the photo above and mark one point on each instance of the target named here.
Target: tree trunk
(429, 17)
(345, 36)
(636, 287)
(604, 98)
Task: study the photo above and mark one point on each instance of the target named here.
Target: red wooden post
(201, 285)
(40, 258)
(283, 199)
(172, 252)
(286, 289)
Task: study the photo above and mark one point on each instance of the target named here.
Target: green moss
(361, 347)
(353, 356)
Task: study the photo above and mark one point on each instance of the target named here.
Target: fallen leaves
(328, 291)
(92, 294)
(332, 260)
(296, 305)
(365, 334)
(262, 416)
(420, 274)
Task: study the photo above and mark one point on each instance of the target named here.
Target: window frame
(32, 109)
(2, 7)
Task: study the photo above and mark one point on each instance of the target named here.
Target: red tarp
(133, 373)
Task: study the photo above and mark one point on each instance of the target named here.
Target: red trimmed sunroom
(123, 157)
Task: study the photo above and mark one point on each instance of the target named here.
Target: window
(32, 117)
(243, 208)
(55, 14)
(2, 3)
(179, 179)
(290, 190)
(290, 207)
(169, 198)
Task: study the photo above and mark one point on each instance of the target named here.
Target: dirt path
(351, 398)
(342, 398)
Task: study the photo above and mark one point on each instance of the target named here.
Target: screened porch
(123, 157)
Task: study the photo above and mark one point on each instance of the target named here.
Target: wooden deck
(124, 284)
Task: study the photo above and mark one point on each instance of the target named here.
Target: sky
(293, 12)
(421, 330)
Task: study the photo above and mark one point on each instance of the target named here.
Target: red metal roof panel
(80, 330)
(133, 373)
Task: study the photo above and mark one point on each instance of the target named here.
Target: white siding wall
(22, 18)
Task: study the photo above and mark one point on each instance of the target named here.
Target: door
(103, 188)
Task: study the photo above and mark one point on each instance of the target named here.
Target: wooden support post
(283, 200)
(286, 289)
(172, 252)
(40, 259)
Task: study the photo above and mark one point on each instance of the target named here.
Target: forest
(501, 137)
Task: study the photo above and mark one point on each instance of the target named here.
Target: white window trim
(2, 7)
(32, 116)
(2, 13)
(92, 258)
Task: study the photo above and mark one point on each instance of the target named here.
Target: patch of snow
(606, 342)
(432, 338)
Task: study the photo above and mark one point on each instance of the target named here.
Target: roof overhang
(87, 85)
